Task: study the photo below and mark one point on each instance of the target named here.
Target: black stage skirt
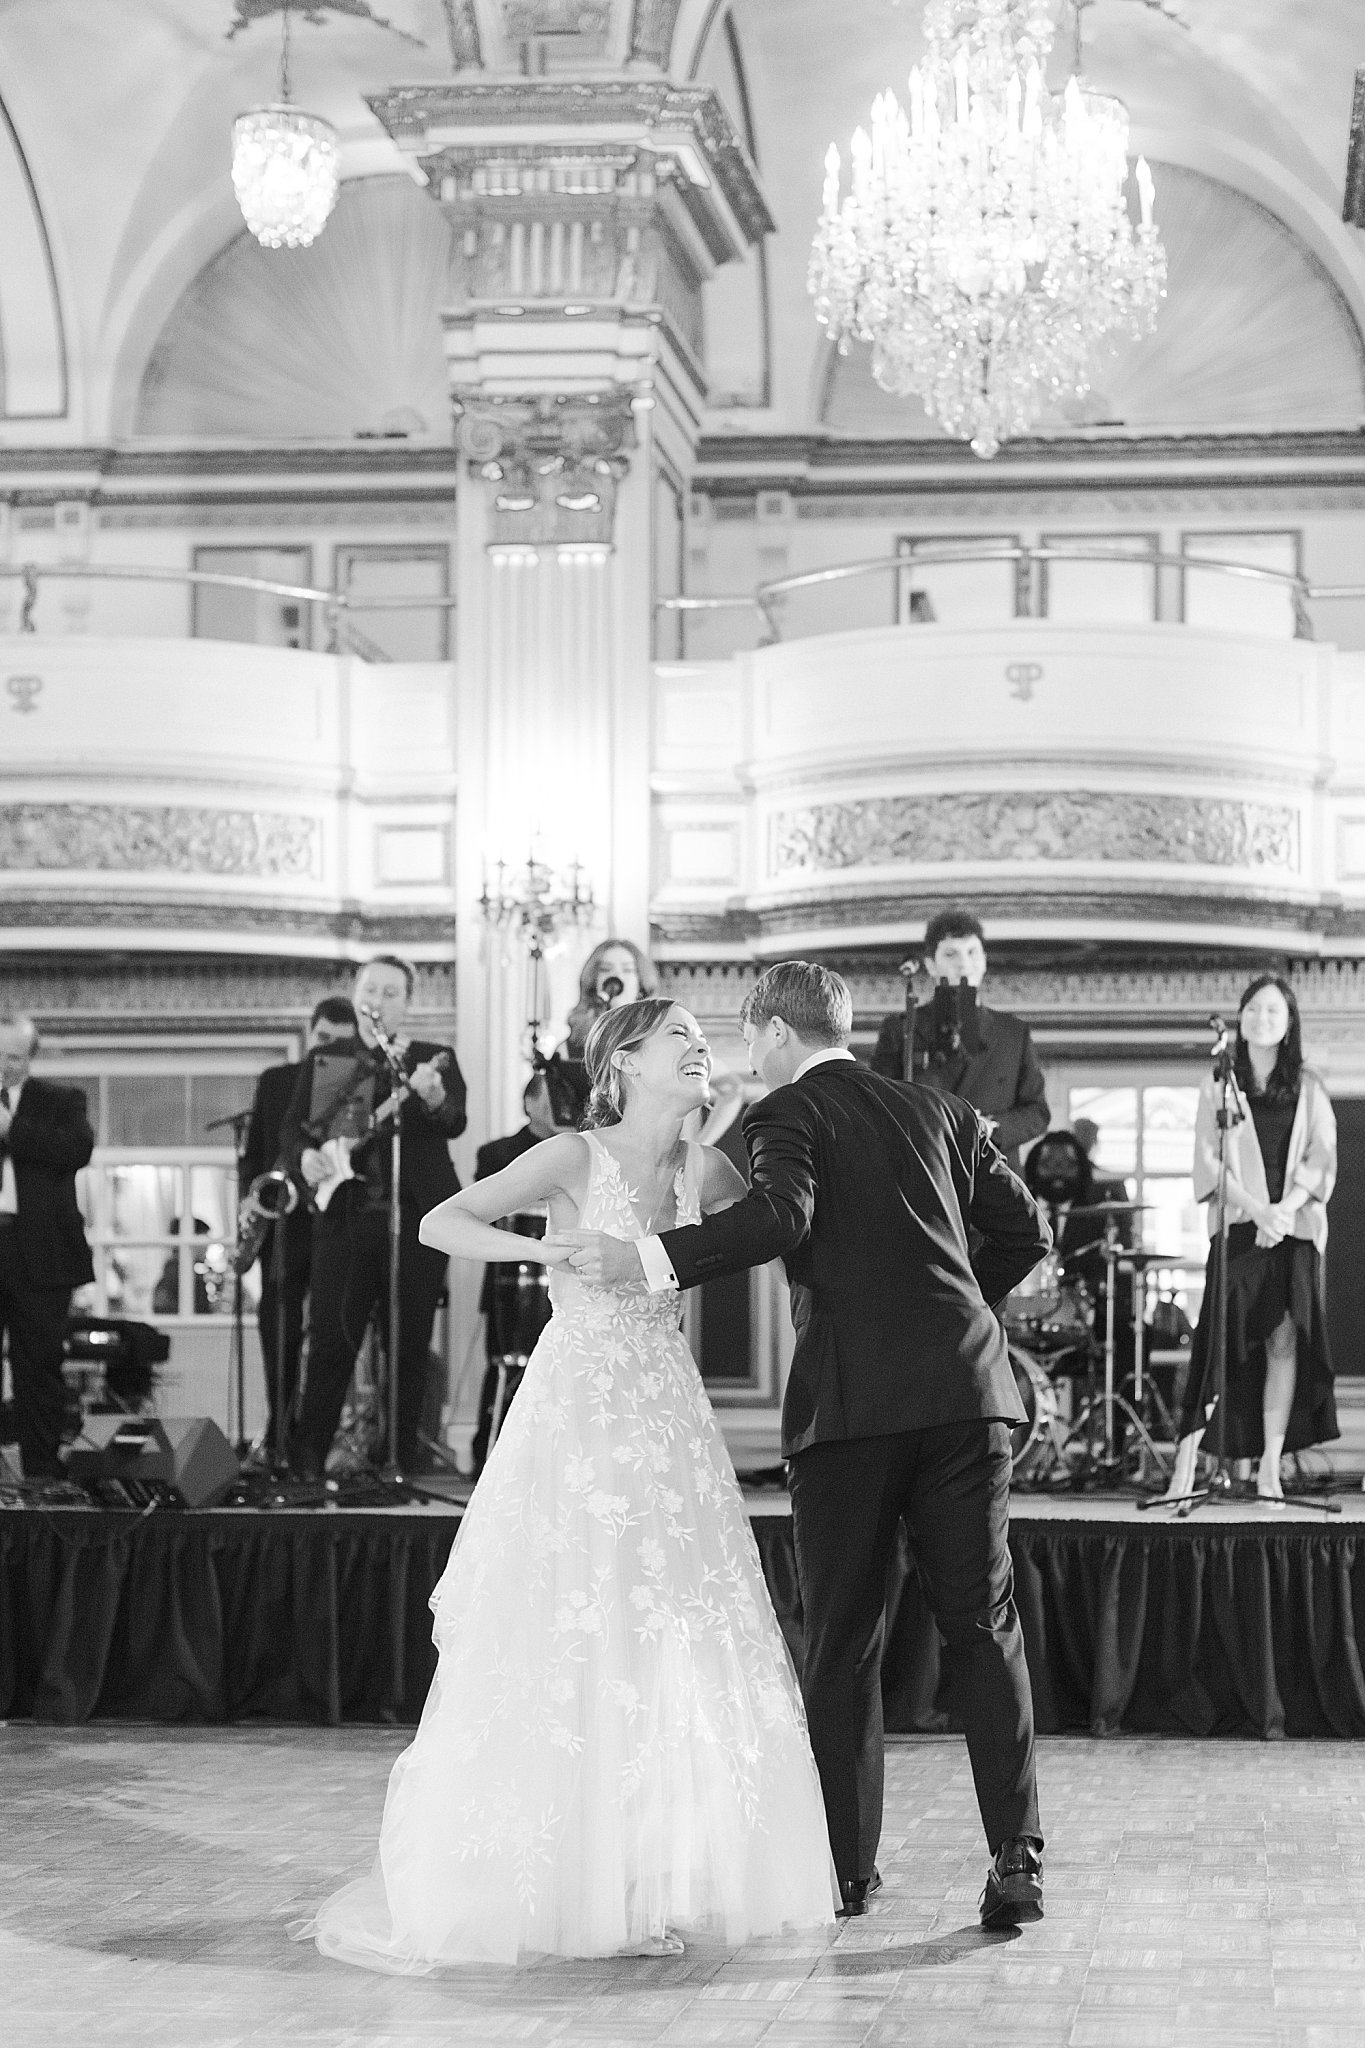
(1264, 1285)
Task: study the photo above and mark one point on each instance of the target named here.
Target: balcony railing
(338, 607)
(766, 597)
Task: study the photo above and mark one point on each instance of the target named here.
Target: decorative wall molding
(213, 917)
(553, 465)
(1152, 993)
(159, 838)
(432, 514)
(1073, 825)
(557, 106)
(199, 995)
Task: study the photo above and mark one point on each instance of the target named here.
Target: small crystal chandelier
(284, 167)
(535, 909)
(985, 248)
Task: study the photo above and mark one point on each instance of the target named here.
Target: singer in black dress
(1281, 1169)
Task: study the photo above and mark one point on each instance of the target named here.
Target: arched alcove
(320, 343)
(33, 377)
(1253, 333)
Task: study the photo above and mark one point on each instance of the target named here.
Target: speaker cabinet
(134, 1461)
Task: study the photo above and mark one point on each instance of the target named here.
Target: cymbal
(1108, 1208)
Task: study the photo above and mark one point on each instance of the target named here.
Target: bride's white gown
(614, 1742)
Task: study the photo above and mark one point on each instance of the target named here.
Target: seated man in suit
(991, 1063)
(45, 1140)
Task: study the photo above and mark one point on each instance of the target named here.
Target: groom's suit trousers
(951, 1485)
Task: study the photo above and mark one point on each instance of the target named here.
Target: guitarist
(349, 1278)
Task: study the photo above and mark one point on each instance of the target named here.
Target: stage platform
(1238, 1620)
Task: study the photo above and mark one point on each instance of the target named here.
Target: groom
(899, 1402)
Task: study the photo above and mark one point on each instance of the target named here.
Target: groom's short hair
(812, 1001)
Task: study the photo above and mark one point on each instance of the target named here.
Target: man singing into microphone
(961, 1047)
(349, 1279)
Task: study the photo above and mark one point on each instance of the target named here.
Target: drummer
(550, 1105)
(1059, 1173)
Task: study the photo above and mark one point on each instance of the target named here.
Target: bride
(613, 1746)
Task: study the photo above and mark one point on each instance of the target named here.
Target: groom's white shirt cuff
(658, 1267)
(657, 1264)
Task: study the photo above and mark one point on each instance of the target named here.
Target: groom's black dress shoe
(1014, 1885)
(855, 1892)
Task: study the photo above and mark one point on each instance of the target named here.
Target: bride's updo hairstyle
(615, 1035)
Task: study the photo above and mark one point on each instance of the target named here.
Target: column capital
(552, 464)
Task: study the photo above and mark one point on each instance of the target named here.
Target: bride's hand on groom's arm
(600, 1260)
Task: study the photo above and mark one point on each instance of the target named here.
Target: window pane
(1174, 1222)
(1115, 1110)
(1120, 593)
(144, 1201)
(147, 1109)
(960, 593)
(1168, 1129)
(213, 1200)
(422, 634)
(261, 617)
(1241, 604)
(139, 1277)
(213, 1096)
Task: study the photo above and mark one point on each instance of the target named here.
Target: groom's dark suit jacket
(865, 1188)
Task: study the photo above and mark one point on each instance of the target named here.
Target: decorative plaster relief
(651, 31)
(1023, 826)
(553, 465)
(158, 838)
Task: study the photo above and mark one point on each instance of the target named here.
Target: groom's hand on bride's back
(600, 1260)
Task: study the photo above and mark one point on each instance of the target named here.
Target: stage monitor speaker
(136, 1461)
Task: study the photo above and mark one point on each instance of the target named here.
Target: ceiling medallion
(285, 167)
(985, 248)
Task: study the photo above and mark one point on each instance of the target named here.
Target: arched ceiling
(128, 147)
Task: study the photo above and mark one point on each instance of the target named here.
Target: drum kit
(518, 1310)
(1050, 1322)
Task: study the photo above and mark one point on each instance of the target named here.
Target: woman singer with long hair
(1281, 1166)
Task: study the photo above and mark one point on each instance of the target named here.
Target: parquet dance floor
(1208, 1893)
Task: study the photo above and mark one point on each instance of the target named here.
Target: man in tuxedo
(45, 1140)
(349, 1274)
(332, 1021)
(899, 1401)
(989, 1063)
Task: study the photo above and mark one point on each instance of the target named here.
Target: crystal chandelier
(985, 249)
(284, 167)
(535, 909)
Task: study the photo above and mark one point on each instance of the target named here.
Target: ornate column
(587, 215)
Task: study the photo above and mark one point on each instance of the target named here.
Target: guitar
(339, 1151)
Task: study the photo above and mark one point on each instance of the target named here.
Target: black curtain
(1199, 1629)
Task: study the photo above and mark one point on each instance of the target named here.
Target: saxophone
(270, 1197)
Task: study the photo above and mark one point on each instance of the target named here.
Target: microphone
(610, 988)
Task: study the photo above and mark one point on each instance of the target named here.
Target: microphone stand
(391, 1473)
(239, 1124)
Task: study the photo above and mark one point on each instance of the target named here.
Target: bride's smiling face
(673, 1065)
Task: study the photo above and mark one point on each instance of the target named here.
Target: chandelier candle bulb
(1146, 190)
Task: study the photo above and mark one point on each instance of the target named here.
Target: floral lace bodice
(607, 1206)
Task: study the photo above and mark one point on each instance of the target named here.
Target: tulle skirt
(614, 1742)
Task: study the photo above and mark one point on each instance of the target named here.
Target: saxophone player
(333, 1021)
